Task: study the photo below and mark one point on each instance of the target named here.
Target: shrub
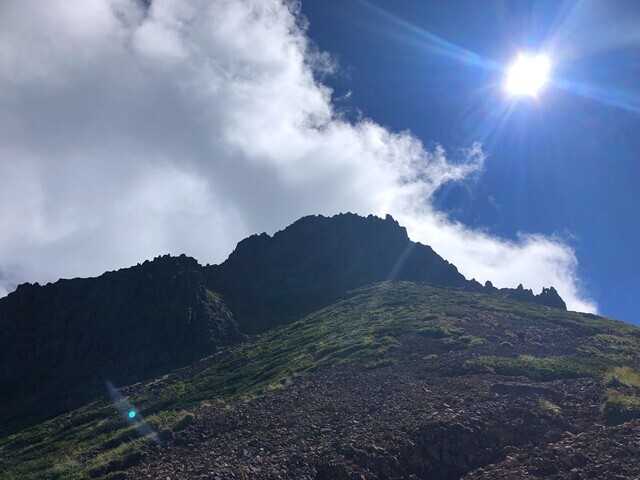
(184, 421)
(541, 368)
(434, 332)
(623, 376)
(383, 362)
(472, 341)
(619, 408)
(548, 405)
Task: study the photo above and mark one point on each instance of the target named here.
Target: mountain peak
(269, 280)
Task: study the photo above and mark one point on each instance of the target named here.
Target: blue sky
(135, 129)
(565, 164)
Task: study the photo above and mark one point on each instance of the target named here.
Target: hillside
(394, 380)
(63, 341)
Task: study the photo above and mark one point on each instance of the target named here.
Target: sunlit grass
(549, 405)
(619, 407)
(542, 368)
(623, 376)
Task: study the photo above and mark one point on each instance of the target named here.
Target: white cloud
(128, 133)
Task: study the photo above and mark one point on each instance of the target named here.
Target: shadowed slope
(62, 341)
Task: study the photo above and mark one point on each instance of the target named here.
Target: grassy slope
(373, 326)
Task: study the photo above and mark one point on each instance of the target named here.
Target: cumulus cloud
(128, 131)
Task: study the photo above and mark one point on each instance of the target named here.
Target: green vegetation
(472, 341)
(542, 368)
(619, 407)
(378, 326)
(623, 376)
(119, 458)
(614, 344)
(383, 362)
(549, 405)
(437, 331)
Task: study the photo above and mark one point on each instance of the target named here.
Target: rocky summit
(334, 349)
(268, 281)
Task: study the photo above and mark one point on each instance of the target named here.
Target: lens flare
(527, 75)
(129, 413)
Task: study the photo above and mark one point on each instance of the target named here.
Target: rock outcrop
(548, 296)
(269, 281)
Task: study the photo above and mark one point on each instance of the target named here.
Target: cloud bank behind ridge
(128, 132)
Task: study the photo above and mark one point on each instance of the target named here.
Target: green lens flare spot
(132, 414)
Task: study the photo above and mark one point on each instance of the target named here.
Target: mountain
(268, 281)
(61, 342)
(335, 349)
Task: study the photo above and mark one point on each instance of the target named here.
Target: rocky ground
(401, 422)
(600, 452)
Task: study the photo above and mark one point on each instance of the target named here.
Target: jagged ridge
(269, 281)
(62, 341)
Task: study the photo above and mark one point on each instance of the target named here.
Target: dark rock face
(551, 298)
(61, 342)
(268, 281)
(548, 297)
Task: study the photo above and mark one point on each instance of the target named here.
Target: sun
(527, 75)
